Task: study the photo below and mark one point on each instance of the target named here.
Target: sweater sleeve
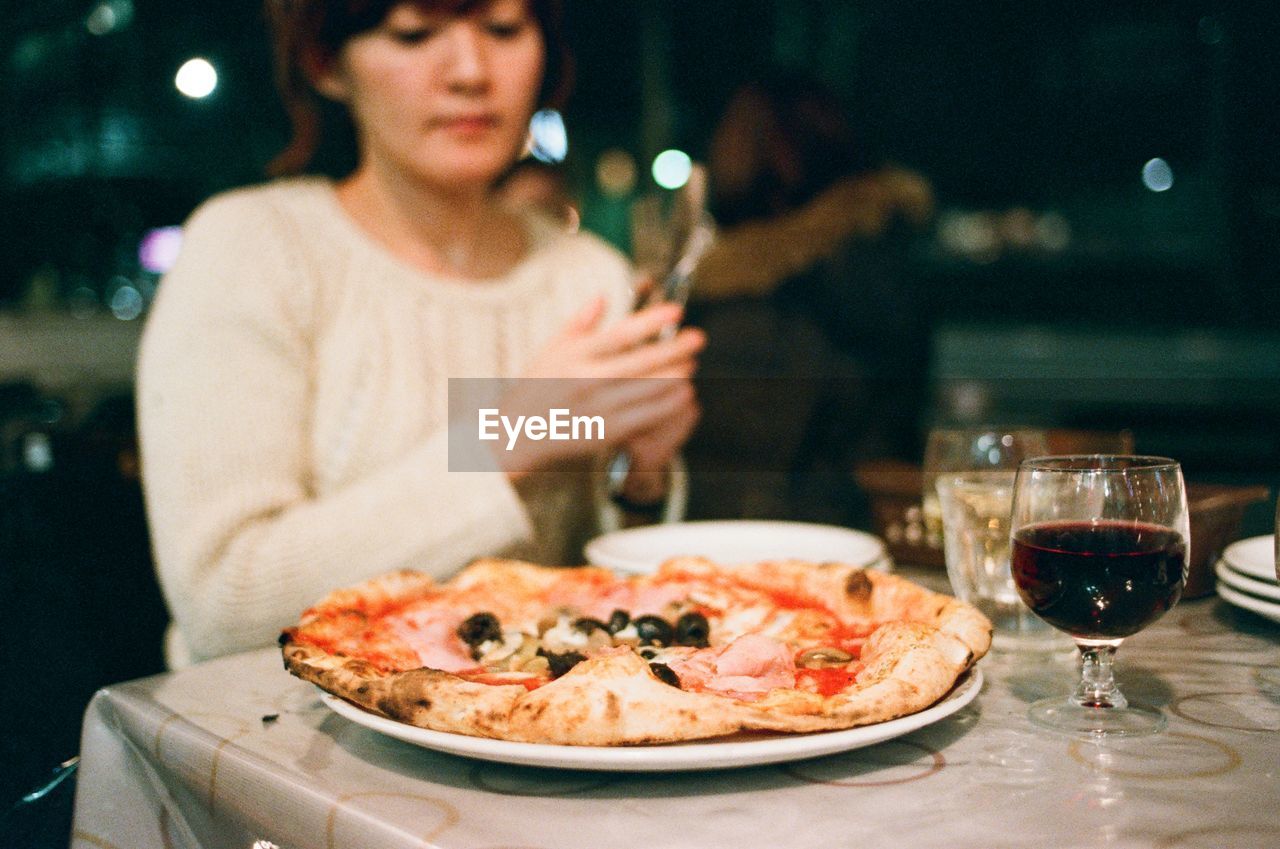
(242, 542)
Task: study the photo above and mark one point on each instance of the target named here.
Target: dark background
(1000, 104)
(1160, 313)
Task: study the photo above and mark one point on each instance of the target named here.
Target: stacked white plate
(1247, 576)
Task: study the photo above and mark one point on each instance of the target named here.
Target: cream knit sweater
(292, 403)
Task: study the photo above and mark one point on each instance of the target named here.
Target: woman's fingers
(632, 407)
(644, 286)
(635, 329)
(654, 414)
(653, 449)
(670, 357)
(630, 348)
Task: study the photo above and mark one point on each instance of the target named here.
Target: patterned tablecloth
(237, 753)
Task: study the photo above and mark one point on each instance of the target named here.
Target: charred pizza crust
(910, 661)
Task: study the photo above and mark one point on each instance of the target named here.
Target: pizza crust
(615, 699)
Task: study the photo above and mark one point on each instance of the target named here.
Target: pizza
(582, 656)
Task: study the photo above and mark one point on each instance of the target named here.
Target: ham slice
(746, 669)
(432, 634)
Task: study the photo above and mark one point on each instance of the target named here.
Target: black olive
(479, 628)
(692, 629)
(618, 620)
(561, 663)
(653, 631)
(665, 675)
(648, 653)
(586, 625)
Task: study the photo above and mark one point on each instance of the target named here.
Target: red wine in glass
(1099, 580)
(1099, 551)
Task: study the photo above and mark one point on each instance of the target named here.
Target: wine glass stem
(1097, 683)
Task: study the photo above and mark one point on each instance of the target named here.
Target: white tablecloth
(236, 751)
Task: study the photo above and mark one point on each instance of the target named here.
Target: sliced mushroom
(517, 649)
(823, 658)
(495, 651)
(536, 665)
(552, 618)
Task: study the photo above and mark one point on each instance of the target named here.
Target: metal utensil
(60, 773)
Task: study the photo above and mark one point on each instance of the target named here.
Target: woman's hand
(637, 383)
(652, 451)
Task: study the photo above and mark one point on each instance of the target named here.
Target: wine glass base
(1067, 717)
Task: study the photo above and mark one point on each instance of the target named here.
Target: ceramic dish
(1243, 583)
(1268, 609)
(641, 550)
(736, 751)
(1255, 557)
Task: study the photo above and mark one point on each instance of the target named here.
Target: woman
(293, 379)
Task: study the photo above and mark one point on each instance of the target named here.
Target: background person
(809, 303)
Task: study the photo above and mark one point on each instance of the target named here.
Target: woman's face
(442, 98)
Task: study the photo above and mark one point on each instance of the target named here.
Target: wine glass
(667, 247)
(971, 449)
(669, 237)
(1100, 548)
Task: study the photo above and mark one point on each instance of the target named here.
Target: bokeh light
(671, 169)
(127, 302)
(159, 249)
(549, 140)
(109, 16)
(616, 173)
(197, 78)
(1157, 175)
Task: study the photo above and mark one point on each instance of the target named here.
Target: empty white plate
(1255, 557)
(642, 550)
